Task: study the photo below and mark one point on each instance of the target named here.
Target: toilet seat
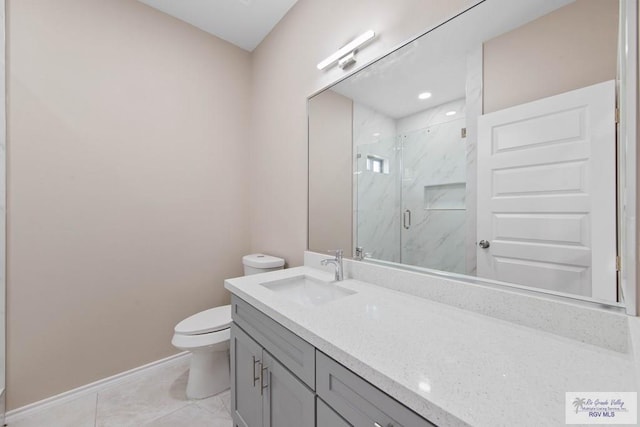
(213, 341)
(205, 322)
(206, 335)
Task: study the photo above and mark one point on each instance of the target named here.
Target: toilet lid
(262, 261)
(214, 319)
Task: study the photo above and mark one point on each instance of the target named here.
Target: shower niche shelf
(445, 197)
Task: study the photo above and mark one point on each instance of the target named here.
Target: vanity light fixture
(424, 95)
(347, 61)
(345, 56)
(450, 113)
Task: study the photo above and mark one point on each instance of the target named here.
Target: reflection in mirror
(486, 147)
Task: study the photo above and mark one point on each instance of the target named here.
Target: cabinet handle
(262, 384)
(255, 362)
(375, 424)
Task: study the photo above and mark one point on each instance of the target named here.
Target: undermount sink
(308, 291)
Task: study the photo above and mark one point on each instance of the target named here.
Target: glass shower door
(378, 199)
(433, 187)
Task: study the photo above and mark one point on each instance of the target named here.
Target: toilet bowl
(206, 336)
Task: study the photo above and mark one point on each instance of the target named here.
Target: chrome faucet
(337, 261)
(361, 254)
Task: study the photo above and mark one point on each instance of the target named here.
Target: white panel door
(546, 193)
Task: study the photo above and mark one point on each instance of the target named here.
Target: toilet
(206, 336)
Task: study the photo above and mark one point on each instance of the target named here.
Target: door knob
(484, 244)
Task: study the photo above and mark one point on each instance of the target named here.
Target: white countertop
(453, 367)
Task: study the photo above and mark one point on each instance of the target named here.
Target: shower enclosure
(410, 196)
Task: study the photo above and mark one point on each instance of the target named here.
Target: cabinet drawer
(292, 351)
(359, 402)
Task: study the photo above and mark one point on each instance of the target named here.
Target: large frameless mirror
(484, 149)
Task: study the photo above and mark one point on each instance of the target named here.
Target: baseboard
(93, 387)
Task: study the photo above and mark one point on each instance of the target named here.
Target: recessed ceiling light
(424, 95)
(450, 113)
(376, 134)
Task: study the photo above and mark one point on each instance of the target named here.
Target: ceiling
(245, 23)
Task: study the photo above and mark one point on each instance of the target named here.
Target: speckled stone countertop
(453, 367)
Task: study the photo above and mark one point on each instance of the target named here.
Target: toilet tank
(261, 263)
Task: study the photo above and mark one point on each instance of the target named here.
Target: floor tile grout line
(224, 402)
(227, 411)
(187, 404)
(168, 379)
(161, 379)
(102, 385)
(159, 414)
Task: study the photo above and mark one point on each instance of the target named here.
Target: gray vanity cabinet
(265, 393)
(291, 350)
(327, 417)
(246, 398)
(280, 380)
(357, 401)
(287, 401)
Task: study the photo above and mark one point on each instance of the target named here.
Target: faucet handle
(336, 252)
(361, 254)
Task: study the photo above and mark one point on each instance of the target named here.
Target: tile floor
(153, 398)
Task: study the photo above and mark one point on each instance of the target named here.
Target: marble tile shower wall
(433, 187)
(427, 175)
(377, 194)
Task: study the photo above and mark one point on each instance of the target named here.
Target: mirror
(484, 149)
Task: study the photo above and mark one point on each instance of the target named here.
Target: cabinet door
(287, 401)
(291, 350)
(327, 417)
(246, 364)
